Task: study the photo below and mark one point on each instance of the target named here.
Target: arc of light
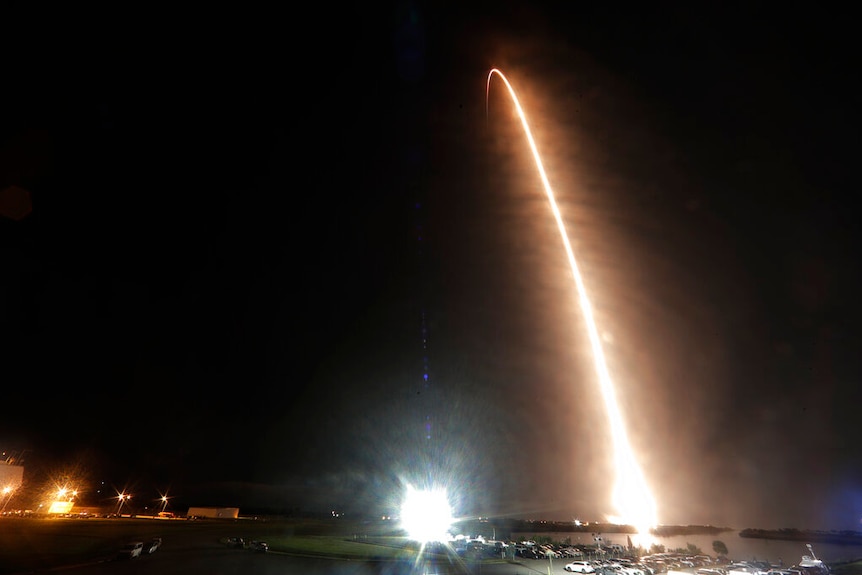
(631, 495)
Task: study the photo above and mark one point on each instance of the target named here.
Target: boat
(811, 565)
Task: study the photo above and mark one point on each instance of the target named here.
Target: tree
(719, 547)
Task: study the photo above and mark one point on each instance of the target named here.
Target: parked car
(131, 550)
(154, 544)
(258, 546)
(579, 567)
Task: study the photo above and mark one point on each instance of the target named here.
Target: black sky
(240, 220)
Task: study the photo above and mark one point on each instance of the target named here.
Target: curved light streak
(631, 496)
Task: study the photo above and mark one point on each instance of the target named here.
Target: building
(213, 512)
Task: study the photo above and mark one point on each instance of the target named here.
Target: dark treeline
(790, 534)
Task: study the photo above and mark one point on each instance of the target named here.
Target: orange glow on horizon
(631, 497)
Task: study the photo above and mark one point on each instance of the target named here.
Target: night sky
(289, 262)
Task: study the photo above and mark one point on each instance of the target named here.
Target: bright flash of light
(426, 515)
(631, 497)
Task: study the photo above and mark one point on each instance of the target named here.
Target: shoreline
(832, 537)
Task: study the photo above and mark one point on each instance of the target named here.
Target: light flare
(426, 515)
(631, 496)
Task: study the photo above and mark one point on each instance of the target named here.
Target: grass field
(28, 544)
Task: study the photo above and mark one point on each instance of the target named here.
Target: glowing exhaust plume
(631, 496)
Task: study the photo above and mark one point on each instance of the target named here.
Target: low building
(213, 512)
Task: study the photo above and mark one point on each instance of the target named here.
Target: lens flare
(631, 497)
(426, 515)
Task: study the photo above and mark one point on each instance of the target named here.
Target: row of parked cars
(647, 565)
(531, 550)
(621, 566)
(674, 561)
(254, 545)
(135, 549)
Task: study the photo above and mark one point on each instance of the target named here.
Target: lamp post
(7, 494)
(123, 498)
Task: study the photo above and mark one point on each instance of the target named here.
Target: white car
(579, 567)
(154, 544)
(131, 550)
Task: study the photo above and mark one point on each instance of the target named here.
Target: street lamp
(7, 494)
(123, 498)
(66, 493)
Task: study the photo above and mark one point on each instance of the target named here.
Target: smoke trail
(631, 497)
